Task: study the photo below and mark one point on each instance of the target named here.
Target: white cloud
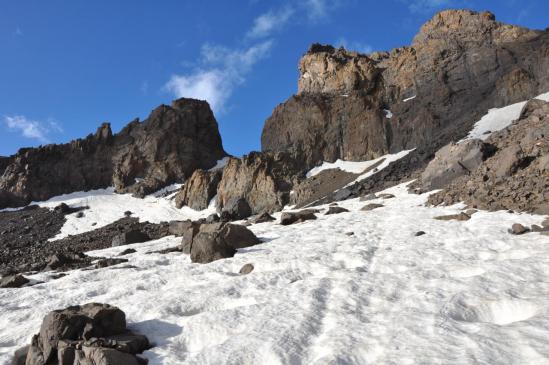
(418, 6)
(266, 24)
(222, 70)
(317, 10)
(354, 46)
(30, 128)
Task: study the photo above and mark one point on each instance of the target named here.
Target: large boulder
(89, 334)
(236, 209)
(220, 240)
(452, 161)
(167, 147)
(129, 237)
(199, 189)
(264, 180)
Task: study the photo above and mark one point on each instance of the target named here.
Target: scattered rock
(458, 217)
(13, 281)
(80, 215)
(296, 217)
(133, 236)
(367, 197)
(386, 196)
(109, 262)
(349, 233)
(419, 233)
(371, 206)
(246, 269)
(127, 213)
(88, 334)
(336, 210)
(518, 229)
(263, 218)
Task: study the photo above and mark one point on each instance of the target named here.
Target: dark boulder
(371, 206)
(296, 217)
(518, 229)
(133, 236)
(237, 209)
(263, 218)
(88, 334)
(246, 269)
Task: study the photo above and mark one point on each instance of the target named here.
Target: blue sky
(67, 66)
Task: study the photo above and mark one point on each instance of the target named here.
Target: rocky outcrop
(168, 146)
(516, 175)
(357, 107)
(199, 189)
(89, 334)
(264, 180)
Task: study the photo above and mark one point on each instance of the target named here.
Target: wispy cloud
(274, 20)
(222, 69)
(31, 128)
(421, 6)
(354, 46)
(18, 32)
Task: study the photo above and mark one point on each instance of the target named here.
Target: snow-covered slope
(465, 292)
(499, 118)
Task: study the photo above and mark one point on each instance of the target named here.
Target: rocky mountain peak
(469, 26)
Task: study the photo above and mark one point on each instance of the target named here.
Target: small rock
(336, 210)
(62, 208)
(296, 217)
(246, 269)
(79, 214)
(518, 228)
(386, 196)
(458, 217)
(127, 252)
(13, 281)
(419, 233)
(371, 206)
(349, 233)
(264, 218)
(212, 218)
(367, 197)
(108, 262)
(127, 213)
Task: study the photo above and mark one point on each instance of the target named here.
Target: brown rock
(246, 269)
(371, 206)
(199, 189)
(296, 217)
(458, 217)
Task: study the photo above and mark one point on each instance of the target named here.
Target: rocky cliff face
(356, 107)
(168, 146)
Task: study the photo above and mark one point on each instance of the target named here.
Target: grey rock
(518, 229)
(458, 217)
(419, 233)
(127, 252)
(246, 269)
(367, 197)
(109, 262)
(199, 189)
(237, 209)
(336, 210)
(263, 218)
(371, 206)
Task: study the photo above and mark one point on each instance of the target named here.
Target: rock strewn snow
(462, 291)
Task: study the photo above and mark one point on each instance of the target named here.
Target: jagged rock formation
(168, 146)
(460, 64)
(199, 189)
(264, 180)
(516, 175)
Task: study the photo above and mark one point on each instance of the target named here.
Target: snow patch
(355, 167)
(388, 113)
(410, 98)
(220, 163)
(499, 118)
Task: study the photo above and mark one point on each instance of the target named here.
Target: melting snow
(410, 98)
(388, 113)
(499, 118)
(463, 291)
(356, 167)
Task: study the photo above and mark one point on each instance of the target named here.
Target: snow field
(465, 292)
